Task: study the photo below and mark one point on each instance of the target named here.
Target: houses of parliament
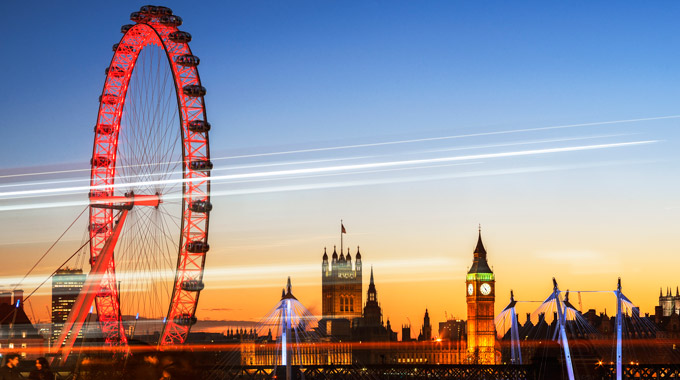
(347, 318)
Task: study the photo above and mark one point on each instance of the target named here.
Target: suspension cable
(49, 249)
(62, 265)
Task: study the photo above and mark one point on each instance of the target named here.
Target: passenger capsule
(197, 247)
(103, 129)
(125, 28)
(194, 90)
(163, 11)
(138, 17)
(149, 9)
(200, 206)
(192, 285)
(199, 126)
(201, 165)
(115, 71)
(187, 60)
(180, 37)
(115, 47)
(171, 20)
(185, 320)
(108, 99)
(100, 161)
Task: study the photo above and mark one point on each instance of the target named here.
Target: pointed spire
(335, 254)
(677, 291)
(288, 292)
(371, 283)
(660, 292)
(358, 255)
(348, 257)
(325, 255)
(479, 250)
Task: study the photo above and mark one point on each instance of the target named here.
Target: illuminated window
(11, 345)
(23, 334)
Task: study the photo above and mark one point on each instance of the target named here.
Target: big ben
(480, 294)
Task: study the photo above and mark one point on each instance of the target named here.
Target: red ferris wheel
(150, 186)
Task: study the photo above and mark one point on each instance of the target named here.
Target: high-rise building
(481, 293)
(66, 285)
(341, 286)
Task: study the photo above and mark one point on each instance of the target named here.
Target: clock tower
(480, 290)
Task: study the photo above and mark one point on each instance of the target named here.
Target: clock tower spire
(480, 295)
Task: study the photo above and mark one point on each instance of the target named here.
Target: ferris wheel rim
(196, 166)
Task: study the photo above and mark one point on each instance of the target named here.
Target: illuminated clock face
(470, 289)
(485, 289)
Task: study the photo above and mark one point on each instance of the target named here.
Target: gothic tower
(481, 293)
(341, 286)
(372, 310)
(426, 330)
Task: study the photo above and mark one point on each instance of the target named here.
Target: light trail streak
(305, 162)
(460, 136)
(410, 141)
(258, 276)
(339, 168)
(330, 185)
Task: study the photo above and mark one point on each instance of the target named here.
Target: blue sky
(305, 75)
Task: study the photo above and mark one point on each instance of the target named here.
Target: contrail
(522, 130)
(329, 169)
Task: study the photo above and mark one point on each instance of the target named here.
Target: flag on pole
(342, 228)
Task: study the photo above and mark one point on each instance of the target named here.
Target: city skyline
(555, 128)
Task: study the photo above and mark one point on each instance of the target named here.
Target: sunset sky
(554, 126)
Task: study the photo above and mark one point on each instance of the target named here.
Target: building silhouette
(341, 293)
(341, 285)
(66, 285)
(670, 304)
(17, 333)
(480, 297)
(426, 330)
